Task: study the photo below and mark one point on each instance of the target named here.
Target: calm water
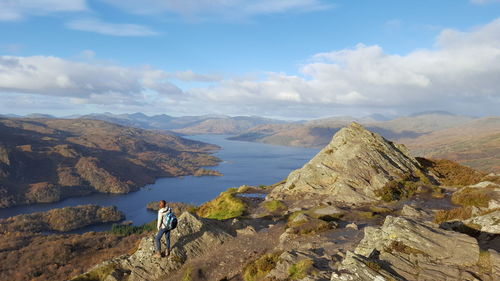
(243, 163)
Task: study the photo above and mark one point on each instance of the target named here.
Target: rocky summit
(352, 167)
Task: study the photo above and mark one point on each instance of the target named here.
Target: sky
(288, 59)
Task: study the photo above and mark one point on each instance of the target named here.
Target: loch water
(242, 163)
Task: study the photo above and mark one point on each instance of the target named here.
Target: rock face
(64, 219)
(352, 167)
(404, 249)
(193, 237)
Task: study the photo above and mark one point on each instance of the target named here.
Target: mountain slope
(45, 160)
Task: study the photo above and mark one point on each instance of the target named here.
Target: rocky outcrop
(193, 237)
(352, 168)
(64, 219)
(404, 249)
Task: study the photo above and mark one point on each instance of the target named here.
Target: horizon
(289, 60)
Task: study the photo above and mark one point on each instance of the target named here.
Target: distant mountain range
(471, 141)
(437, 134)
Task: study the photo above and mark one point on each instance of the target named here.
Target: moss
(187, 276)
(397, 246)
(373, 265)
(484, 261)
(274, 205)
(470, 196)
(97, 274)
(225, 206)
(398, 189)
(260, 267)
(300, 269)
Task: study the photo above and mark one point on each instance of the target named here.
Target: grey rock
(351, 168)
(489, 223)
(411, 212)
(445, 247)
(193, 237)
(405, 249)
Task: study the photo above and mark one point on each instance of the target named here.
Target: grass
(97, 274)
(225, 206)
(125, 230)
(470, 196)
(274, 205)
(188, 274)
(461, 213)
(300, 269)
(451, 173)
(259, 268)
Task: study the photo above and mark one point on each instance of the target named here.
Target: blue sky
(278, 58)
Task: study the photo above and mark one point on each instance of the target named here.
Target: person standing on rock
(162, 230)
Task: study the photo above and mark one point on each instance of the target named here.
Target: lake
(243, 163)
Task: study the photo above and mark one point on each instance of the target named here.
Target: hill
(206, 124)
(471, 141)
(46, 160)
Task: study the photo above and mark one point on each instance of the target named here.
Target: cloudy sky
(289, 59)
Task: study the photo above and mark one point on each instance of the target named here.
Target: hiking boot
(157, 255)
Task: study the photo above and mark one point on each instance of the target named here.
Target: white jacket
(161, 214)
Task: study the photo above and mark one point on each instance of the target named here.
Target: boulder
(405, 249)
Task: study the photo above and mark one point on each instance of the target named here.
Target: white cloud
(462, 70)
(218, 8)
(106, 28)
(191, 76)
(53, 76)
(18, 9)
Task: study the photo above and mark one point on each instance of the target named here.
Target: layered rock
(193, 237)
(352, 167)
(404, 249)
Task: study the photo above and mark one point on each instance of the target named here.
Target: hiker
(161, 225)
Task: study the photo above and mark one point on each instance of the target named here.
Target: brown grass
(470, 196)
(451, 173)
(55, 257)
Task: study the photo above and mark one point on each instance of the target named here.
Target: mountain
(475, 144)
(46, 160)
(206, 124)
(353, 168)
(471, 141)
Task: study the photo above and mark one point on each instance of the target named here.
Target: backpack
(170, 220)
